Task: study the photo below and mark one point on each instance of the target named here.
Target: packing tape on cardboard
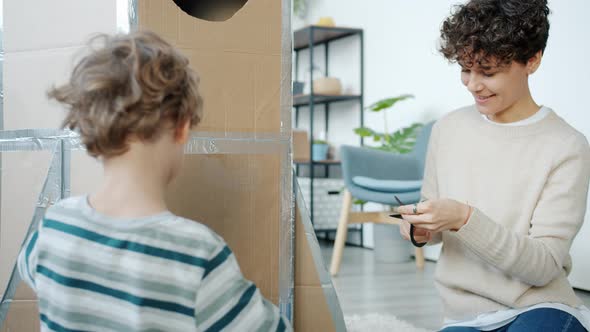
(2, 76)
(286, 236)
(51, 192)
(1, 85)
(37, 139)
(235, 143)
(199, 143)
(286, 92)
(323, 275)
(127, 17)
(287, 207)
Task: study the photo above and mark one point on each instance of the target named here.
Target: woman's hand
(435, 216)
(420, 235)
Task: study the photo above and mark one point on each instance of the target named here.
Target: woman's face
(496, 89)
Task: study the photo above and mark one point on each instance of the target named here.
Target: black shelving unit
(307, 39)
(303, 100)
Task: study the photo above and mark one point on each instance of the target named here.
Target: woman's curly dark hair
(502, 31)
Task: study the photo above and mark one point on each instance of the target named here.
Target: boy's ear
(182, 132)
(534, 63)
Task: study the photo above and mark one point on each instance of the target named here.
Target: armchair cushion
(387, 186)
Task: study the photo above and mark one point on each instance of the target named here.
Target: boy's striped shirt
(160, 273)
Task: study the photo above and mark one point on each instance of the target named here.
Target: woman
(506, 181)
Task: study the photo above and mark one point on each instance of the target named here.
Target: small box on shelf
(300, 146)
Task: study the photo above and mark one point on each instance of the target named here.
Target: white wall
(401, 57)
(41, 39)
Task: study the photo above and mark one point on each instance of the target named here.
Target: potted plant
(300, 8)
(399, 141)
(390, 247)
(319, 150)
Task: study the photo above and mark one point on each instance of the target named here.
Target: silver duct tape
(287, 216)
(240, 136)
(324, 276)
(127, 18)
(199, 143)
(133, 15)
(286, 68)
(28, 145)
(287, 208)
(1, 72)
(286, 235)
(1, 85)
(235, 143)
(66, 163)
(35, 133)
(37, 139)
(50, 193)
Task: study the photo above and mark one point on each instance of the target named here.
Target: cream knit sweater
(528, 186)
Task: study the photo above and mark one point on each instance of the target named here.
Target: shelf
(303, 100)
(318, 162)
(321, 35)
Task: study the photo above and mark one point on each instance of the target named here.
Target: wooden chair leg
(420, 258)
(341, 233)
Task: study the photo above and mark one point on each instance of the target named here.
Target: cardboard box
(239, 62)
(22, 178)
(23, 316)
(237, 195)
(300, 146)
(311, 308)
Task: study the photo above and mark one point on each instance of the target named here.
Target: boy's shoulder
(73, 202)
(170, 226)
(194, 229)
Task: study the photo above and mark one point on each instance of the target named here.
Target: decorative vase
(319, 152)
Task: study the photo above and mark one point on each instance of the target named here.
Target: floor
(365, 286)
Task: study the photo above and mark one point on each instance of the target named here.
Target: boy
(118, 260)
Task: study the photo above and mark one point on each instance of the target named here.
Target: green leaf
(405, 150)
(359, 201)
(400, 141)
(416, 125)
(364, 132)
(388, 102)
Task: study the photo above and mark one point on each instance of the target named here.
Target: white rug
(378, 323)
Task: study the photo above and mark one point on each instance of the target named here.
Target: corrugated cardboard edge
(315, 296)
(287, 207)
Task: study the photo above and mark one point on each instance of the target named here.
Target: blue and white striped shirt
(160, 273)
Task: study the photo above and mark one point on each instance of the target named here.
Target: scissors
(416, 244)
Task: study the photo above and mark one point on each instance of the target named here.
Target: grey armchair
(377, 176)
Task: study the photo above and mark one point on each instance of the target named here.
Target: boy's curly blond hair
(132, 86)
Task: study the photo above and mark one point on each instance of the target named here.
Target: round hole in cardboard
(211, 10)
